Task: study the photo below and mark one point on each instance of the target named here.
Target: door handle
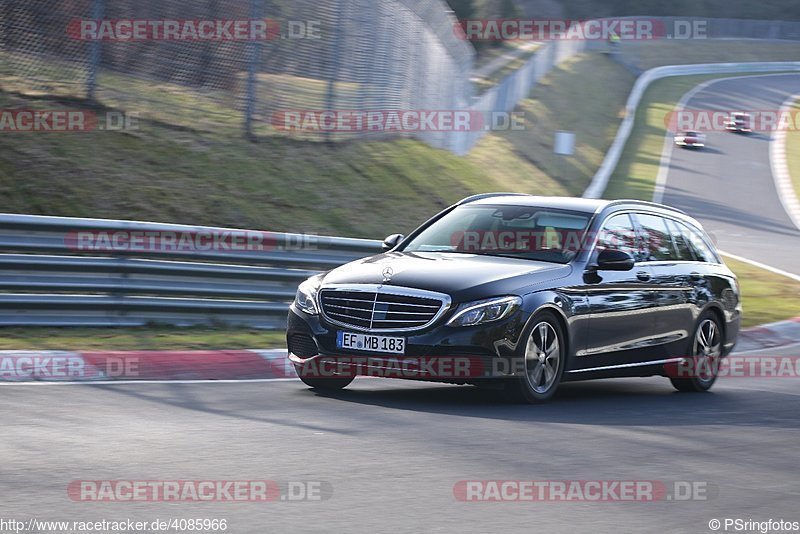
(644, 276)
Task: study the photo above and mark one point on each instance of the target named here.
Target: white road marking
(760, 265)
(129, 382)
(666, 156)
(669, 144)
(666, 153)
(780, 168)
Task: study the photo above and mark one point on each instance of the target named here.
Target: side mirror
(392, 241)
(614, 260)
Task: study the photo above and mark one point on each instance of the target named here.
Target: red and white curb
(142, 366)
(17, 366)
(780, 167)
(769, 336)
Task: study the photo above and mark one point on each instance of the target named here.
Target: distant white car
(690, 139)
(739, 122)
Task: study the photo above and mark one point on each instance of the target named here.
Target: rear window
(698, 243)
(682, 247)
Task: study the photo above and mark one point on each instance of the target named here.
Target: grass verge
(585, 95)
(648, 54)
(793, 150)
(142, 338)
(360, 189)
(766, 297)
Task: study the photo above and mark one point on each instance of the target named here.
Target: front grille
(378, 310)
(302, 345)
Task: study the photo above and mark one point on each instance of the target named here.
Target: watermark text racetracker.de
(65, 366)
(465, 368)
(395, 121)
(191, 491)
(583, 490)
(609, 29)
(756, 120)
(186, 241)
(203, 30)
(736, 366)
(437, 367)
(65, 120)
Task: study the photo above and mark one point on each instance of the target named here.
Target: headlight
(484, 311)
(306, 297)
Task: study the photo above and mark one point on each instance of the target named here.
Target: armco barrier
(48, 276)
(600, 180)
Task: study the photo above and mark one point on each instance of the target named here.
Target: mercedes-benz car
(523, 293)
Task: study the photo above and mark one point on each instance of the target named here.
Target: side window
(682, 246)
(618, 234)
(657, 241)
(701, 250)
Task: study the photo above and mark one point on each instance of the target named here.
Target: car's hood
(462, 276)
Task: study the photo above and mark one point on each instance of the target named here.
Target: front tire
(544, 355)
(329, 383)
(705, 358)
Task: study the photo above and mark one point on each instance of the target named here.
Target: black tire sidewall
(327, 383)
(694, 383)
(519, 387)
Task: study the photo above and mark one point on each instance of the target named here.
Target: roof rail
(645, 203)
(481, 196)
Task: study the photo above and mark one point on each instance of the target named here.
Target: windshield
(526, 232)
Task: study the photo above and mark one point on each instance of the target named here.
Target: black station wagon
(524, 292)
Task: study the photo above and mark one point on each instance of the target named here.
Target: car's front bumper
(439, 353)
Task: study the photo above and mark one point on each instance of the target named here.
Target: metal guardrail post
(333, 72)
(253, 61)
(98, 10)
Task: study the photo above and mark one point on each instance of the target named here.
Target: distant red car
(690, 139)
(739, 122)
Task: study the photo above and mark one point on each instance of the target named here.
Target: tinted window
(617, 233)
(682, 247)
(699, 246)
(657, 241)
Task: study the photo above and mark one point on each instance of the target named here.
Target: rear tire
(544, 355)
(706, 355)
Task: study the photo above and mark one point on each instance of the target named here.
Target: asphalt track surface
(728, 186)
(392, 451)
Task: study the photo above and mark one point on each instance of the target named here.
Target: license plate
(367, 342)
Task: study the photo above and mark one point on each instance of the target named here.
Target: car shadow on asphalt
(711, 150)
(187, 397)
(648, 402)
